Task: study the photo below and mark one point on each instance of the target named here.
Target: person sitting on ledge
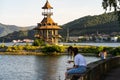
(103, 54)
(79, 64)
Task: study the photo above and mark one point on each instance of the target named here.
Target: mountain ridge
(7, 29)
(88, 25)
(92, 24)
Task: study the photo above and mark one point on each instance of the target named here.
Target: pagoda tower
(47, 29)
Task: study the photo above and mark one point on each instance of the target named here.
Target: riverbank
(107, 44)
(42, 54)
(55, 50)
(32, 53)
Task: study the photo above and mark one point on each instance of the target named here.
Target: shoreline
(74, 43)
(31, 53)
(42, 54)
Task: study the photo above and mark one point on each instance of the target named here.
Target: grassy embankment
(54, 50)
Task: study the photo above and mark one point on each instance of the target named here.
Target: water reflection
(54, 67)
(46, 67)
(34, 67)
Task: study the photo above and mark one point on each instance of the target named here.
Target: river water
(14, 67)
(35, 67)
(92, 44)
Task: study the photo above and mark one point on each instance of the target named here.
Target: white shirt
(80, 60)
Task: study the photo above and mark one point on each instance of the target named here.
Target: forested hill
(29, 34)
(6, 29)
(102, 24)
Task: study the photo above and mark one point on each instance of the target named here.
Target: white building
(75, 38)
(114, 39)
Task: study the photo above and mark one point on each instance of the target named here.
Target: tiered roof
(47, 22)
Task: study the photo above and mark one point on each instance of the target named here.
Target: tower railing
(47, 13)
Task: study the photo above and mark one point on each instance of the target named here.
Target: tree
(38, 42)
(111, 3)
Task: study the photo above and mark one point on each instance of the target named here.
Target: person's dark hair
(70, 48)
(104, 49)
(75, 50)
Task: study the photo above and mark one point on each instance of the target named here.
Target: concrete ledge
(97, 70)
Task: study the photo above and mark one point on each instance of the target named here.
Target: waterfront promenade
(114, 74)
(108, 69)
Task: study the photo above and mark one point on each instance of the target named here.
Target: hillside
(18, 35)
(102, 24)
(88, 25)
(6, 29)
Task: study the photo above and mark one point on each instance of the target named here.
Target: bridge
(108, 69)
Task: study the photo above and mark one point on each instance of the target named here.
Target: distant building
(73, 39)
(24, 40)
(17, 41)
(114, 39)
(28, 40)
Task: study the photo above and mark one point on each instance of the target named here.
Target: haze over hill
(6, 29)
(88, 25)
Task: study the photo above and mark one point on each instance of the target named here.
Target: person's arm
(76, 62)
(75, 66)
(105, 53)
(99, 54)
(69, 61)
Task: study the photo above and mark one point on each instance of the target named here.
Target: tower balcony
(57, 36)
(47, 13)
(37, 36)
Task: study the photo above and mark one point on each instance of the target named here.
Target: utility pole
(67, 37)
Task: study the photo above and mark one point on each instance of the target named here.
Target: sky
(28, 12)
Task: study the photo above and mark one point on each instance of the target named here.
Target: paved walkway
(113, 74)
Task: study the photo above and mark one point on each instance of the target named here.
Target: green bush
(15, 48)
(53, 48)
(88, 49)
(93, 49)
(115, 51)
(21, 47)
(29, 47)
(2, 45)
(9, 49)
(99, 49)
(38, 42)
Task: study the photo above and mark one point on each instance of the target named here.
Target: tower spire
(47, 5)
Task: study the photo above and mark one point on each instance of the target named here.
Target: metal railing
(47, 13)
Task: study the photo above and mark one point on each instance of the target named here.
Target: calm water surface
(93, 44)
(39, 67)
(34, 67)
